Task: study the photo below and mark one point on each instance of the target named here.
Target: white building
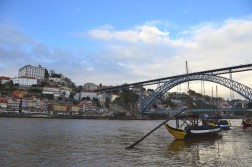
(56, 92)
(32, 71)
(26, 81)
(3, 79)
(88, 94)
(90, 86)
(54, 79)
(52, 90)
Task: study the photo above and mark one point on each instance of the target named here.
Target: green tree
(96, 101)
(49, 96)
(46, 73)
(249, 105)
(107, 101)
(56, 75)
(9, 84)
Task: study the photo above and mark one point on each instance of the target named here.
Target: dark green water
(59, 142)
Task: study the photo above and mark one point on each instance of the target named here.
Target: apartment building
(32, 71)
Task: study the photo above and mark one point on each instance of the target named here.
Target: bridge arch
(239, 88)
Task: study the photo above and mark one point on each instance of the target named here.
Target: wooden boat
(246, 122)
(192, 128)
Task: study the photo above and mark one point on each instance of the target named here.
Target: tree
(49, 96)
(126, 97)
(107, 101)
(9, 84)
(46, 73)
(79, 88)
(56, 75)
(250, 105)
(96, 101)
(52, 72)
(71, 95)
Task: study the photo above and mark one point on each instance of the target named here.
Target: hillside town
(38, 91)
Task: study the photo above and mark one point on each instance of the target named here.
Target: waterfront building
(25, 81)
(32, 71)
(87, 106)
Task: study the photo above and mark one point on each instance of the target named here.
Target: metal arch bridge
(219, 71)
(239, 88)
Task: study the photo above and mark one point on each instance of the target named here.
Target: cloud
(151, 53)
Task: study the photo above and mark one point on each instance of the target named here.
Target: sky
(125, 41)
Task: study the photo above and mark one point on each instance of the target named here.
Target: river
(87, 143)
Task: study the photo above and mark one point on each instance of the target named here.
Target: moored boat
(218, 121)
(246, 122)
(225, 124)
(192, 129)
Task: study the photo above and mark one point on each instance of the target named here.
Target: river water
(86, 143)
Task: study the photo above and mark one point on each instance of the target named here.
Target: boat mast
(188, 89)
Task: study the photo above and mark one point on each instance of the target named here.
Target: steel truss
(239, 88)
(219, 71)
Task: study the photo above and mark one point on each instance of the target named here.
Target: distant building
(88, 94)
(56, 92)
(32, 71)
(55, 79)
(25, 81)
(90, 86)
(52, 90)
(3, 79)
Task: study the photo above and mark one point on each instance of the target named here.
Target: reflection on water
(231, 148)
(197, 151)
(53, 142)
(179, 145)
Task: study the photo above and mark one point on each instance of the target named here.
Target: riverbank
(45, 115)
(145, 116)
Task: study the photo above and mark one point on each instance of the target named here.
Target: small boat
(246, 122)
(224, 124)
(192, 128)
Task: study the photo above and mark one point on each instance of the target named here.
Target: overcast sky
(123, 41)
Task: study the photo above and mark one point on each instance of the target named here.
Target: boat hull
(203, 133)
(177, 133)
(246, 123)
(192, 133)
(224, 124)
